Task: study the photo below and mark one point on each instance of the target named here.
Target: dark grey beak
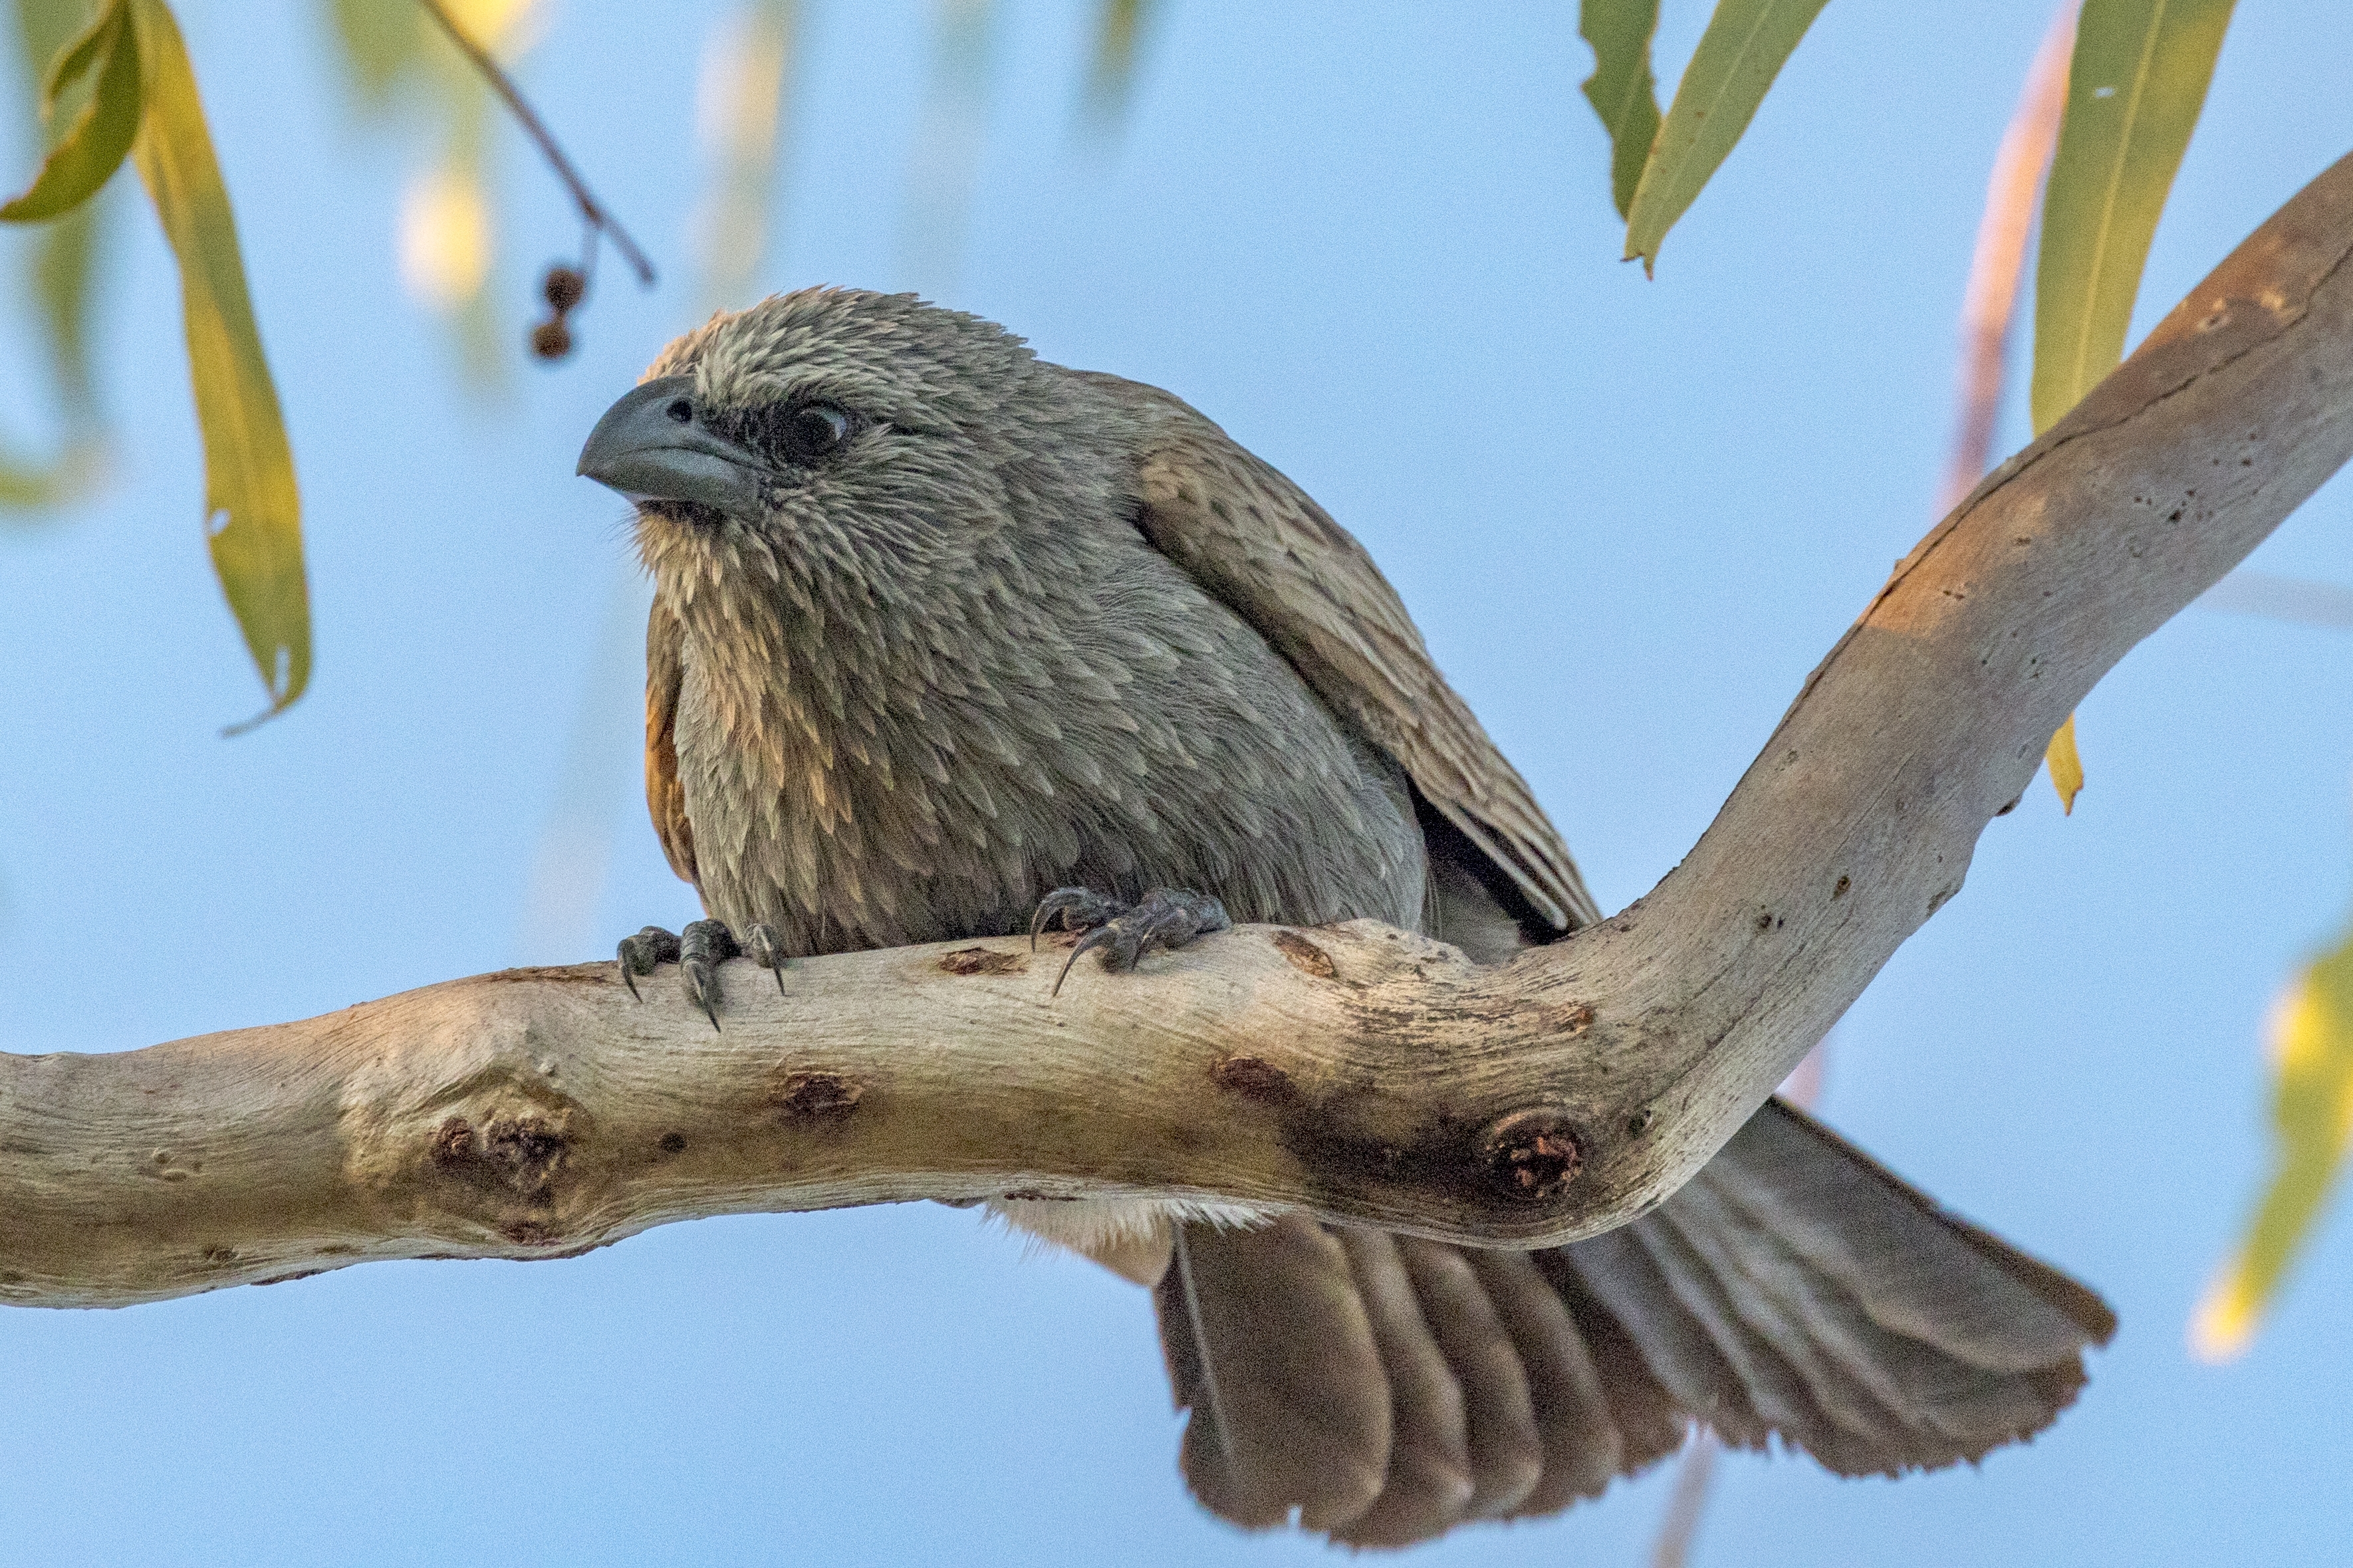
(652, 446)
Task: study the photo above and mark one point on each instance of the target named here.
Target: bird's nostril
(680, 410)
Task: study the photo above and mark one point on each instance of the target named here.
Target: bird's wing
(1389, 1388)
(665, 796)
(1257, 543)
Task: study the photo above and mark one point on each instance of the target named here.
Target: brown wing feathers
(1255, 540)
(1406, 1386)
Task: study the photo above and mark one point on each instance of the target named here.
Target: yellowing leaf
(2134, 90)
(1744, 48)
(1620, 88)
(253, 514)
(89, 153)
(2066, 765)
(2312, 1116)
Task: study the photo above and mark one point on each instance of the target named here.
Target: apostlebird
(947, 639)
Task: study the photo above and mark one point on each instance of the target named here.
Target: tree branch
(1357, 1071)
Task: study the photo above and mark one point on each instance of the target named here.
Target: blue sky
(1373, 241)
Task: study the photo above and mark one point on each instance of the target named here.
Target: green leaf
(65, 256)
(2312, 1117)
(1744, 48)
(86, 40)
(1620, 88)
(87, 155)
(252, 510)
(2134, 91)
(47, 27)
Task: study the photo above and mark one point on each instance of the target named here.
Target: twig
(1690, 1497)
(1990, 302)
(599, 221)
(2279, 598)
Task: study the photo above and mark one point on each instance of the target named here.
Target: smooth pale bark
(1355, 1070)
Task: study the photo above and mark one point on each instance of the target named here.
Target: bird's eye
(812, 430)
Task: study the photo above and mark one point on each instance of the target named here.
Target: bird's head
(833, 431)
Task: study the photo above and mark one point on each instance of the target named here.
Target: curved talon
(641, 954)
(703, 990)
(767, 950)
(703, 948)
(1080, 909)
(1165, 917)
(1095, 938)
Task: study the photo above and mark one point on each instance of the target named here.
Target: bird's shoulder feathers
(1256, 541)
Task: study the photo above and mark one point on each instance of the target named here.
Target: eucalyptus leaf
(2066, 765)
(65, 257)
(86, 156)
(2134, 90)
(2312, 1119)
(1620, 88)
(1744, 48)
(86, 41)
(252, 509)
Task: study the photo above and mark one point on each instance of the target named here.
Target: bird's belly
(836, 862)
(851, 811)
(1131, 1236)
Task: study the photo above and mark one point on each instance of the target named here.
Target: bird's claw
(703, 946)
(699, 952)
(639, 953)
(766, 949)
(1078, 909)
(1164, 918)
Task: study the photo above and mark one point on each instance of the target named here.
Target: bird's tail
(1386, 1387)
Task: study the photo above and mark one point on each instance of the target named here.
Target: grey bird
(946, 637)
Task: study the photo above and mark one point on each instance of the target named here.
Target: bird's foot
(1164, 917)
(699, 951)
